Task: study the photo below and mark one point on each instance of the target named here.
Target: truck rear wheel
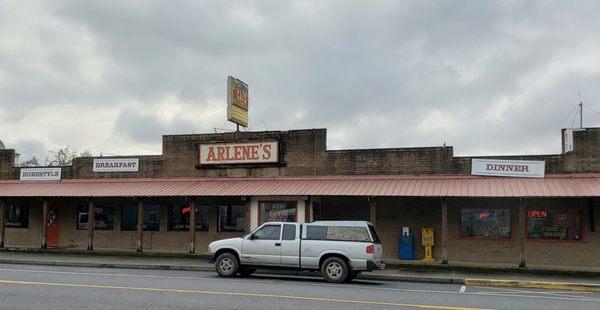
(227, 265)
(334, 270)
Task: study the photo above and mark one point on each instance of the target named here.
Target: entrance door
(53, 226)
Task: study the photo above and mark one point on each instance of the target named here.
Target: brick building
(231, 182)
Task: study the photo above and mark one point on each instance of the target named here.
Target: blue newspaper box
(405, 247)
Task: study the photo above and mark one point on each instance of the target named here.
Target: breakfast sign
(260, 152)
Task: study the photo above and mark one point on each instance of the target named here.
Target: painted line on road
(463, 288)
(515, 292)
(238, 294)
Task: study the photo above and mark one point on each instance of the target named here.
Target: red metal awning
(565, 185)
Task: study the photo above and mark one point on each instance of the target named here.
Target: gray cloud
(486, 77)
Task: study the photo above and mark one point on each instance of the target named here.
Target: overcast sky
(113, 76)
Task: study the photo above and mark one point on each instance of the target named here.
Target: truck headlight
(209, 249)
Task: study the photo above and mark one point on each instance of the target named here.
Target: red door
(53, 226)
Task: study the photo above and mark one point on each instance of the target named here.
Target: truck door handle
(277, 244)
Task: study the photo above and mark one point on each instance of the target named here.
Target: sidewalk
(412, 274)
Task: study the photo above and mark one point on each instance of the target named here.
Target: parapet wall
(304, 152)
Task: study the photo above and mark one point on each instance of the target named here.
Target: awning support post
(444, 231)
(2, 223)
(522, 231)
(372, 211)
(192, 225)
(140, 225)
(91, 224)
(44, 224)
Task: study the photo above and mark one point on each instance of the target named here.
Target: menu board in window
(284, 211)
(485, 223)
(560, 224)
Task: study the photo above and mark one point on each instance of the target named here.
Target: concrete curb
(562, 286)
(557, 286)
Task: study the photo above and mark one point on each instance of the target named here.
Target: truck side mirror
(252, 237)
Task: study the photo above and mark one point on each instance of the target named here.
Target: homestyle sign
(508, 168)
(238, 153)
(40, 174)
(116, 164)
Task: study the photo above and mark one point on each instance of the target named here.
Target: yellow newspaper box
(427, 242)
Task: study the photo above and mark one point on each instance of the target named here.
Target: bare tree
(86, 153)
(33, 162)
(61, 157)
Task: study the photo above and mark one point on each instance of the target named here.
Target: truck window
(289, 232)
(316, 232)
(268, 232)
(338, 233)
(374, 234)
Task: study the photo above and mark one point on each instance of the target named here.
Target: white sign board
(238, 153)
(116, 165)
(508, 168)
(40, 174)
(567, 140)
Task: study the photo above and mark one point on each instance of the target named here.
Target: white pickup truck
(340, 250)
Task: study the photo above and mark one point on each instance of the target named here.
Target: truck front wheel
(335, 270)
(227, 265)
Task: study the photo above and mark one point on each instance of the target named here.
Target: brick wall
(305, 153)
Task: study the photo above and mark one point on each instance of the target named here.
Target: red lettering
(246, 154)
(266, 151)
(237, 152)
(253, 152)
(220, 151)
(211, 154)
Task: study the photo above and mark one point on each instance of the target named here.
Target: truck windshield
(374, 234)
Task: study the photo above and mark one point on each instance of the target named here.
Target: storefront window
(179, 218)
(555, 224)
(17, 216)
(232, 218)
(485, 223)
(103, 217)
(281, 211)
(129, 217)
(151, 214)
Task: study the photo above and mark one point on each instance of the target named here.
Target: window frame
(580, 212)
(86, 207)
(295, 202)
(483, 238)
(170, 208)
(263, 227)
(122, 207)
(21, 205)
(230, 206)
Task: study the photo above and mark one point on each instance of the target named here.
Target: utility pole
(580, 112)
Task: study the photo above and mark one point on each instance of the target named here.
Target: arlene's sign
(116, 164)
(238, 153)
(508, 168)
(40, 174)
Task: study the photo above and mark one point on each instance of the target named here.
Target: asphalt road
(41, 287)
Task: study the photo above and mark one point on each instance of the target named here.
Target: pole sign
(237, 101)
(238, 153)
(508, 168)
(40, 174)
(116, 165)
